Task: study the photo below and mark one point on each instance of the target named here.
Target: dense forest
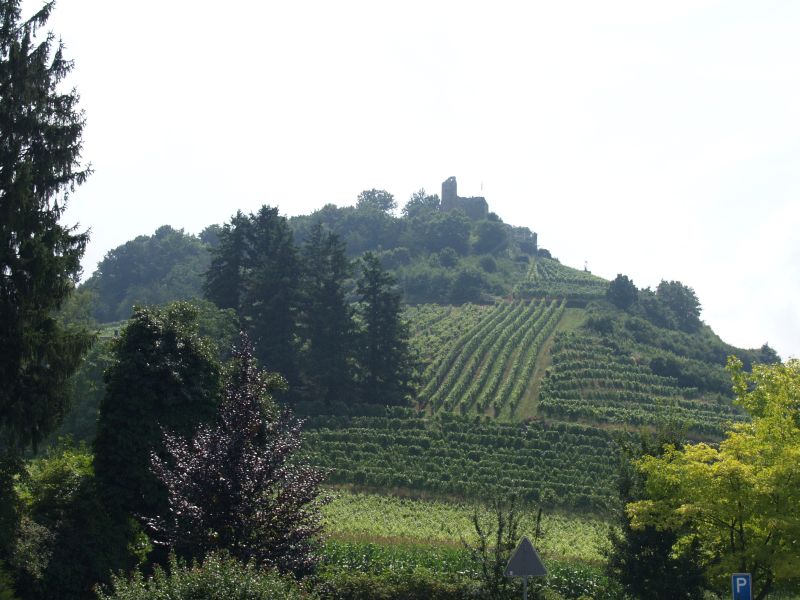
(368, 401)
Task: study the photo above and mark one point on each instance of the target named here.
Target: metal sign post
(525, 562)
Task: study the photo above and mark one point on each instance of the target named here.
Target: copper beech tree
(238, 485)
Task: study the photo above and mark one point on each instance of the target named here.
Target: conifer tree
(40, 150)
(224, 279)
(327, 319)
(255, 270)
(384, 353)
(270, 300)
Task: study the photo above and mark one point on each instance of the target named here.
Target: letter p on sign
(742, 586)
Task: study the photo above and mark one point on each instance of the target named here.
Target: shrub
(389, 586)
(219, 576)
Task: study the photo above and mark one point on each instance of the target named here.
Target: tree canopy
(621, 292)
(385, 359)
(164, 374)
(735, 501)
(237, 484)
(40, 151)
(150, 269)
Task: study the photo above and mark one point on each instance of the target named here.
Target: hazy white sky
(655, 139)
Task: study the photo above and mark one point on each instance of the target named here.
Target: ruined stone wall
(475, 208)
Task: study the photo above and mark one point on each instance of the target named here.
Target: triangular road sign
(525, 561)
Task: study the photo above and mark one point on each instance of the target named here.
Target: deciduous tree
(736, 501)
(237, 484)
(164, 376)
(621, 292)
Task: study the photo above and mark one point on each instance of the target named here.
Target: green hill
(527, 370)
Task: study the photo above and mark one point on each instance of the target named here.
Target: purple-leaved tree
(238, 484)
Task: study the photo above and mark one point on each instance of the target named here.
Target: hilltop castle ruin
(475, 208)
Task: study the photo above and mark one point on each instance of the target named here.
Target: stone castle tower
(475, 208)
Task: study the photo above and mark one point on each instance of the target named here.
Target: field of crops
(559, 464)
(480, 361)
(548, 278)
(593, 381)
(369, 517)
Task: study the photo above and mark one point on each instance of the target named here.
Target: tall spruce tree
(224, 279)
(270, 301)
(384, 353)
(326, 318)
(40, 150)
(255, 270)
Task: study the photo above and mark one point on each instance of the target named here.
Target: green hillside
(527, 371)
(532, 394)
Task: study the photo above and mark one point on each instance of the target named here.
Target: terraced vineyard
(563, 464)
(487, 365)
(548, 278)
(591, 380)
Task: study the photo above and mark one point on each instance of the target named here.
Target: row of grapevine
(433, 327)
(487, 383)
(548, 278)
(594, 381)
(569, 464)
(442, 374)
(475, 354)
(521, 370)
(491, 365)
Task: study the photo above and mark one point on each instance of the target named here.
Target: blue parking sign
(742, 586)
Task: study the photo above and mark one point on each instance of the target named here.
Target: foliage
(224, 283)
(444, 523)
(6, 585)
(642, 560)
(237, 485)
(326, 320)
(86, 391)
(356, 585)
(447, 230)
(255, 271)
(164, 376)
(218, 576)
(385, 360)
(567, 464)
(66, 541)
(491, 237)
(269, 303)
(494, 546)
(155, 269)
(467, 287)
(377, 200)
(621, 292)
(421, 204)
(40, 151)
(10, 509)
(732, 500)
(682, 302)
